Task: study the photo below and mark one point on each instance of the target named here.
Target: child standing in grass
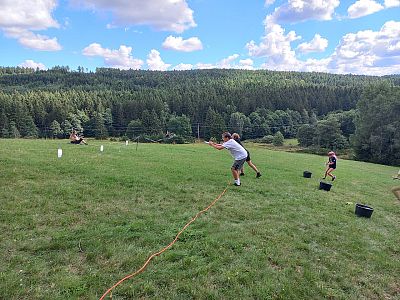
(236, 137)
(331, 165)
(238, 153)
(396, 189)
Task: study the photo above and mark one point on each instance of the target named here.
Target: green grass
(72, 227)
(291, 142)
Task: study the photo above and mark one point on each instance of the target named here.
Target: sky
(333, 36)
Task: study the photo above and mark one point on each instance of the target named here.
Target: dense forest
(322, 110)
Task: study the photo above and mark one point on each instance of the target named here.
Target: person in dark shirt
(236, 137)
(331, 165)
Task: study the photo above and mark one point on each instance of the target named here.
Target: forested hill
(120, 97)
(183, 91)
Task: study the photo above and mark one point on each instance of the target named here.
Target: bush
(123, 138)
(176, 139)
(278, 139)
(268, 139)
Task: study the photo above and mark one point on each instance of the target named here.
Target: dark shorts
(76, 142)
(248, 156)
(332, 167)
(238, 164)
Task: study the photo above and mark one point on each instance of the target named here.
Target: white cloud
(365, 52)
(369, 52)
(32, 15)
(226, 63)
(169, 15)
(392, 3)
(154, 61)
(317, 44)
(121, 58)
(301, 10)
(363, 8)
(205, 66)
(275, 45)
(19, 18)
(246, 64)
(179, 44)
(183, 67)
(33, 41)
(31, 64)
(269, 2)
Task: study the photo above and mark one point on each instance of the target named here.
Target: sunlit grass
(72, 227)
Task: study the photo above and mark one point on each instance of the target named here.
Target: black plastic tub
(307, 174)
(363, 210)
(325, 186)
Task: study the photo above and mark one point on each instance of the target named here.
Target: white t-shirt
(237, 151)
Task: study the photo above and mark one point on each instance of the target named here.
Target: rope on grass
(165, 248)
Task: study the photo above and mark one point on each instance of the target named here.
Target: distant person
(237, 151)
(396, 189)
(236, 137)
(331, 165)
(76, 139)
(396, 176)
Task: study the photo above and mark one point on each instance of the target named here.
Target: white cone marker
(59, 152)
(101, 148)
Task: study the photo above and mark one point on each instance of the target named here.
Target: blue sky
(335, 36)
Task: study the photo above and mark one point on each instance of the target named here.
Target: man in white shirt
(237, 152)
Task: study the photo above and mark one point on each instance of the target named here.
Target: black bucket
(307, 174)
(363, 210)
(325, 186)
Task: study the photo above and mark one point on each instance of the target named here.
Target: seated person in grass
(238, 153)
(396, 189)
(236, 137)
(76, 139)
(331, 165)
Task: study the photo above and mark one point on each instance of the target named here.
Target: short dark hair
(226, 134)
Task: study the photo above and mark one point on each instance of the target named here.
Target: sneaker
(333, 178)
(241, 174)
(258, 175)
(235, 184)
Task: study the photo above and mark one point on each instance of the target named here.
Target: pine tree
(100, 130)
(4, 133)
(135, 129)
(14, 132)
(28, 127)
(55, 129)
(214, 125)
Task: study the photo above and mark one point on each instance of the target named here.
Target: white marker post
(126, 143)
(101, 148)
(59, 152)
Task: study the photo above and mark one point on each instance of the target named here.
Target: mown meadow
(71, 227)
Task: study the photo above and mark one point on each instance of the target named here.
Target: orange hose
(162, 250)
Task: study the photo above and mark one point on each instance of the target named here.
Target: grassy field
(72, 227)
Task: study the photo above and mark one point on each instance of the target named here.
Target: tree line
(322, 110)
